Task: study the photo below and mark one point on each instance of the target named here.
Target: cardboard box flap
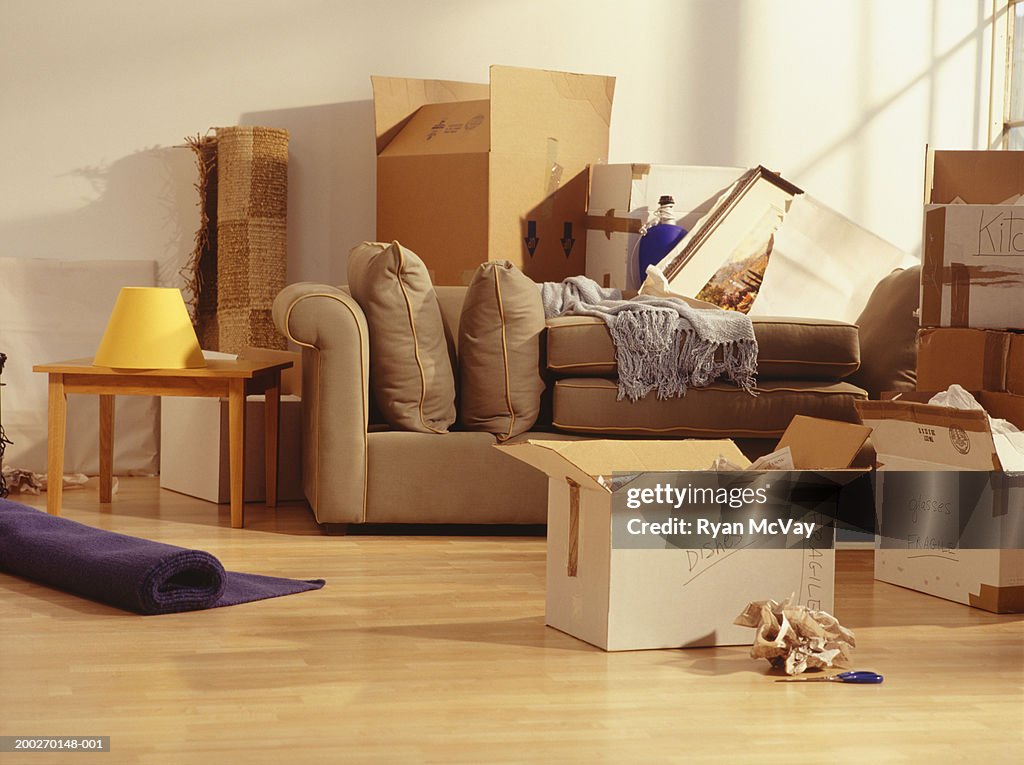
(913, 436)
(611, 189)
(1004, 406)
(458, 127)
(973, 420)
(817, 444)
(584, 461)
(396, 99)
(977, 177)
(533, 107)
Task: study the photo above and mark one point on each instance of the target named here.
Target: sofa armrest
(331, 329)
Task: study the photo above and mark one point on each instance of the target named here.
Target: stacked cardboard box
(972, 277)
(948, 496)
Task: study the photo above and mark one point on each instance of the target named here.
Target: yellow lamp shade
(149, 328)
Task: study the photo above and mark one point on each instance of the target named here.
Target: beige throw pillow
(411, 374)
(499, 351)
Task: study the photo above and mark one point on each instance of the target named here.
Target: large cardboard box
(652, 593)
(977, 359)
(950, 502)
(471, 172)
(624, 196)
(973, 255)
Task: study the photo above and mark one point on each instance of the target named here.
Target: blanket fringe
(644, 340)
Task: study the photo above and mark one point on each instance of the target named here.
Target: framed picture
(723, 259)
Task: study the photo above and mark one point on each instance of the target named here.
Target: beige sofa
(356, 470)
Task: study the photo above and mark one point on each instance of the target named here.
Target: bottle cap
(666, 200)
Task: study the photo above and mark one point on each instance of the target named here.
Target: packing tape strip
(959, 278)
(639, 172)
(1000, 600)
(573, 558)
(965, 419)
(554, 173)
(609, 223)
(959, 295)
(996, 354)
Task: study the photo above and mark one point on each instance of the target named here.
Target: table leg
(56, 426)
(106, 447)
(236, 451)
(271, 418)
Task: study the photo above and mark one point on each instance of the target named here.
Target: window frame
(1003, 39)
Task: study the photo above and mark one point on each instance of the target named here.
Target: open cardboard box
(624, 599)
(948, 510)
(470, 172)
(972, 270)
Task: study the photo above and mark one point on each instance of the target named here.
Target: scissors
(860, 677)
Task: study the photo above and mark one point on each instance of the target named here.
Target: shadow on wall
(870, 112)
(711, 89)
(331, 184)
(143, 207)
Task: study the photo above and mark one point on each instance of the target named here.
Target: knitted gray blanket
(661, 344)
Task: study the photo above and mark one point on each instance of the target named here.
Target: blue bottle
(658, 240)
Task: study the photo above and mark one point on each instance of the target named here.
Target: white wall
(839, 95)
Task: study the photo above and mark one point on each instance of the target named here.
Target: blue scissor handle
(859, 677)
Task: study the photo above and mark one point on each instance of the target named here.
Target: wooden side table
(233, 380)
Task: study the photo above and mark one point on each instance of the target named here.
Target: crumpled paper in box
(796, 638)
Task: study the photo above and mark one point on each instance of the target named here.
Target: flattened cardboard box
(623, 197)
(629, 599)
(471, 172)
(972, 271)
(940, 470)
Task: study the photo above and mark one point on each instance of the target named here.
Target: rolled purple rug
(130, 573)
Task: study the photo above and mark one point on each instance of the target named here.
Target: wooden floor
(434, 649)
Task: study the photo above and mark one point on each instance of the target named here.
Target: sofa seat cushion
(588, 405)
(788, 348)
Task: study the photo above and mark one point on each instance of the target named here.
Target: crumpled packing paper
(796, 638)
(26, 482)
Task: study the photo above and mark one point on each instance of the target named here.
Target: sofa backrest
(450, 299)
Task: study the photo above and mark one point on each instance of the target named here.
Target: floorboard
(434, 649)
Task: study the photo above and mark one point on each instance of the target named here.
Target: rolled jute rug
(239, 264)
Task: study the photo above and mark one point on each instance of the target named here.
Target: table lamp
(149, 328)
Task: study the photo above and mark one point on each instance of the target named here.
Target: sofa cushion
(502, 321)
(411, 372)
(888, 334)
(788, 348)
(589, 405)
